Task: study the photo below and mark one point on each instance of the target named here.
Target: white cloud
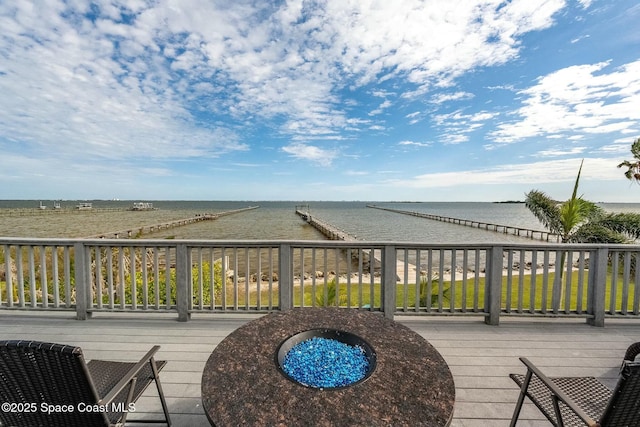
(386, 104)
(620, 145)
(445, 97)
(415, 117)
(101, 86)
(457, 125)
(382, 93)
(578, 39)
(482, 116)
(614, 148)
(585, 3)
(416, 144)
(577, 99)
(509, 88)
(311, 153)
(66, 85)
(288, 60)
(530, 173)
(561, 152)
(461, 119)
(454, 138)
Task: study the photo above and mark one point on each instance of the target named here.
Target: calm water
(277, 220)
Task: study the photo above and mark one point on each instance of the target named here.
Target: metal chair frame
(51, 384)
(583, 401)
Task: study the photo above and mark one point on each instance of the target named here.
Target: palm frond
(625, 223)
(545, 209)
(595, 232)
(575, 186)
(635, 149)
(633, 167)
(575, 212)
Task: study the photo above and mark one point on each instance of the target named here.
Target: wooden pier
(146, 229)
(329, 231)
(333, 233)
(506, 229)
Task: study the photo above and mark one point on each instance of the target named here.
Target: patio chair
(583, 401)
(45, 384)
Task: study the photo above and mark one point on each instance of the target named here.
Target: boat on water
(84, 206)
(142, 206)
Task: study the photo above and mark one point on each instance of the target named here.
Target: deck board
(480, 356)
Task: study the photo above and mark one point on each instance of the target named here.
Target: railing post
(493, 286)
(285, 279)
(597, 286)
(8, 275)
(83, 282)
(557, 290)
(389, 281)
(183, 282)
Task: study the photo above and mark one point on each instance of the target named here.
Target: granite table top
(242, 384)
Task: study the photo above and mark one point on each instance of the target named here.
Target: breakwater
(147, 229)
(499, 228)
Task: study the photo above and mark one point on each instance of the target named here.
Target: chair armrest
(558, 393)
(632, 352)
(129, 376)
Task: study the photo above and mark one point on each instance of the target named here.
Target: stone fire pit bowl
(242, 383)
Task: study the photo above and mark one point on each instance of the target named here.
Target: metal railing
(191, 276)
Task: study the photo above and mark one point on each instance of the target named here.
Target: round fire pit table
(242, 383)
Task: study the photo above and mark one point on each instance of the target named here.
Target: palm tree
(563, 219)
(580, 221)
(633, 167)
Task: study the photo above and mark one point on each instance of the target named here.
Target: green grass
(462, 296)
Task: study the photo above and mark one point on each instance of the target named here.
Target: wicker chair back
(43, 384)
(624, 407)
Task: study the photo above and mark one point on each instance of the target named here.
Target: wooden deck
(480, 356)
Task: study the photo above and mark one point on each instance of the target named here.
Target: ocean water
(275, 220)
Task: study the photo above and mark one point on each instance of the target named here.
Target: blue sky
(433, 100)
